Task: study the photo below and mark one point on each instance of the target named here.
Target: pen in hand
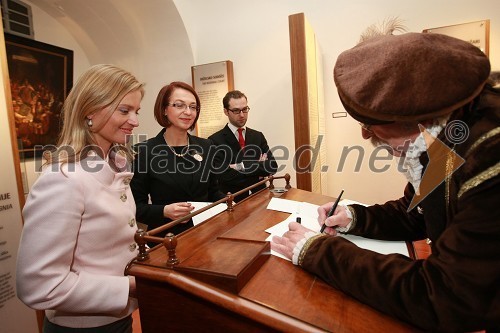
(332, 210)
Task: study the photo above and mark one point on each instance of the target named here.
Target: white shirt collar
(234, 129)
(412, 168)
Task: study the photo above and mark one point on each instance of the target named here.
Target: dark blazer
(229, 152)
(167, 178)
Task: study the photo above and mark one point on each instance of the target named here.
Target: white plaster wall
(159, 45)
(254, 35)
(10, 217)
(147, 38)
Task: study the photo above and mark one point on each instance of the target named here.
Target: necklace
(172, 149)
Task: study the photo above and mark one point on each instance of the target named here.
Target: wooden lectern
(226, 281)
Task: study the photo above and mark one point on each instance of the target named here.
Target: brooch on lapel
(197, 157)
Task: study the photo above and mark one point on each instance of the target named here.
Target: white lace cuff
(349, 225)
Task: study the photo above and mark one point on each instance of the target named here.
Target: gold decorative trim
(308, 243)
(477, 180)
(447, 179)
(483, 137)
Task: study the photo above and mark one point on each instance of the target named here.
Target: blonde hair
(100, 87)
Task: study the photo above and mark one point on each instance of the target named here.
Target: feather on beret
(409, 77)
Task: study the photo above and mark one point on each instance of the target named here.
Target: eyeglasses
(238, 111)
(183, 106)
(366, 127)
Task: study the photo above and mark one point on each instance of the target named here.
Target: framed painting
(41, 76)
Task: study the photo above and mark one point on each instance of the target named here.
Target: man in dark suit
(243, 156)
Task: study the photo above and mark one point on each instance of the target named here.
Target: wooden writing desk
(280, 297)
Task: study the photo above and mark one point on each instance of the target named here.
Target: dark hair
(236, 94)
(162, 101)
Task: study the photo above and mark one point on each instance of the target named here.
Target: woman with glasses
(174, 167)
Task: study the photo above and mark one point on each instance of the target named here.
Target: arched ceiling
(117, 29)
(147, 37)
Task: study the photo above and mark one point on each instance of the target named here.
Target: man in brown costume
(405, 90)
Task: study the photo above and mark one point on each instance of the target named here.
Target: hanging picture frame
(41, 76)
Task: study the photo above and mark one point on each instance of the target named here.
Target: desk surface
(280, 295)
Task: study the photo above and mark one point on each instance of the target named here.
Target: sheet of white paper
(278, 229)
(282, 227)
(284, 205)
(308, 209)
(208, 213)
(309, 218)
(310, 223)
(380, 246)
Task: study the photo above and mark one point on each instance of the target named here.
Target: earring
(89, 122)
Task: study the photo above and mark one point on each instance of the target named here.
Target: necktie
(241, 139)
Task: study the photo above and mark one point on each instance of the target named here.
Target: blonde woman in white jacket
(79, 220)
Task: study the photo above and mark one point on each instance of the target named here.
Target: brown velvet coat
(458, 287)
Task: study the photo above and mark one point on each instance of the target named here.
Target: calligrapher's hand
(177, 210)
(287, 242)
(338, 219)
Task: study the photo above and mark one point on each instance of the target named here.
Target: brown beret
(409, 77)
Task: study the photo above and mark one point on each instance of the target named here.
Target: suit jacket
(229, 152)
(165, 178)
(78, 235)
(456, 289)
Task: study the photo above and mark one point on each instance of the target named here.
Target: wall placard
(212, 82)
(477, 33)
(15, 317)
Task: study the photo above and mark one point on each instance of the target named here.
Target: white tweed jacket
(78, 236)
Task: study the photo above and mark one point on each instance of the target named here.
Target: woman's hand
(177, 210)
